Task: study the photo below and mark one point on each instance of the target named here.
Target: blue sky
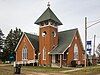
(23, 14)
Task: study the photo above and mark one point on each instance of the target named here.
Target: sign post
(89, 48)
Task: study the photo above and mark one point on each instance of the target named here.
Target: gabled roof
(48, 15)
(34, 40)
(65, 38)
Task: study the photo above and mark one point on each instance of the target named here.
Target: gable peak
(48, 15)
(48, 4)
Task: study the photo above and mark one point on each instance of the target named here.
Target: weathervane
(48, 4)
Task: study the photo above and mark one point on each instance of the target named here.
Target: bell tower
(48, 35)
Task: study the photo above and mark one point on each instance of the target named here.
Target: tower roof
(48, 15)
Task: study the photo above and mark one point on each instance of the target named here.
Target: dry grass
(87, 71)
(6, 70)
(9, 70)
(44, 69)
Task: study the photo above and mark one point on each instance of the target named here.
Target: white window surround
(54, 34)
(44, 34)
(48, 25)
(44, 53)
(24, 53)
(75, 52)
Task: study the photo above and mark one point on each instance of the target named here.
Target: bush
(73, 63)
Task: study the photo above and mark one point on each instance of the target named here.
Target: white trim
(48, 52)
(29, 41)
(30, 44)
(21, 39)
(76, 50)
(19, 42)
(25, 53)
(43, 53)
(54, 34)
(55, 53)
(53, 49)
(71, 42)
(73, 38)
(31, 61)
(75, 59)
(48, 25)
(66, 48)
(80, 40)
(16, 57)
(27, 61)
(43, 34)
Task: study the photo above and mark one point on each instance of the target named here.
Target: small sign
(89, 46)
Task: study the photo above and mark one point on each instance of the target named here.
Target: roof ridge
(69, 30)
(30, 34)
(49, 12)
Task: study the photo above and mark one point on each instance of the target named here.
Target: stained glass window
(44, 54)
(24, 53)
(75, 52)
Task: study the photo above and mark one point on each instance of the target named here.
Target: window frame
(54, 34)
(76, 52)
(24, 53)
(44, 53)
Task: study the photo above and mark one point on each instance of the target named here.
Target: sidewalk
(76, 69)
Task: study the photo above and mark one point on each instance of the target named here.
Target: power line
(94, 21)
(93, 24)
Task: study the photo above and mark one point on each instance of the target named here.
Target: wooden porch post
(60, 60)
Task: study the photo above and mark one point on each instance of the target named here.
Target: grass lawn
(44, 69)
(6, 70)
(94, 70)
(9, 70)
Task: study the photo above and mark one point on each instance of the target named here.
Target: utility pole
(85, 41)
(86, 38)
(94, 45)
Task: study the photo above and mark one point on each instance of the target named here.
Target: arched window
(44, 54)
(24, 53)
(54, 34)
(44, 33)
(75, 52)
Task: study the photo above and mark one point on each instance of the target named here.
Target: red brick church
(50, 48)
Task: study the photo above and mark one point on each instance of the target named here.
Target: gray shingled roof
(64, 40)
(34, 40)
(48, 15)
